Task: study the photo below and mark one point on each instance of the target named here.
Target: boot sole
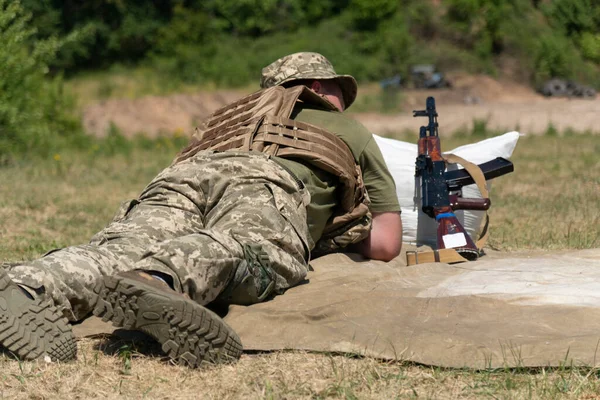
(189, 333)
(32, 329)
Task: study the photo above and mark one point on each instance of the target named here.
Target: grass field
(551, 201)
(132, 83)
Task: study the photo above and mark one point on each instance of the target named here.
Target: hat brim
(349, 88)
(347, 83)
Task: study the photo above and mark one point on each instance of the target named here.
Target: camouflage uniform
(218, 226)
(228, 226)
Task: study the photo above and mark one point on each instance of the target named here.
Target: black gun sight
(431, 113)
(430, 110)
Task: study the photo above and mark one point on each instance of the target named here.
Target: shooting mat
(507, 309)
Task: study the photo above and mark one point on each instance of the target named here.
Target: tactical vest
(261, 122)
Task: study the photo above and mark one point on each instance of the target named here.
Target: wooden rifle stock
(451, 234)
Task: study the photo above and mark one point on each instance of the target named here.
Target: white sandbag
(400, 158)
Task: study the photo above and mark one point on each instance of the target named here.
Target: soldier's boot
(189, 333)
(32, 328)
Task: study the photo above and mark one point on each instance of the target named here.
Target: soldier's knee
(253, 281)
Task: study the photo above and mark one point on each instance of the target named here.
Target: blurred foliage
(578, 20)
(228, 41)
(573, 17)
(590, 46)
(35, 114)
(553, 56)
(482, 24)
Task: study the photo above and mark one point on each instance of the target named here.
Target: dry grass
(118, 370)
(551, 201)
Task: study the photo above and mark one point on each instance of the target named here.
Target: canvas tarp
(507, 309)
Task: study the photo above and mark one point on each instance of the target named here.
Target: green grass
(132, 83)
(552, 199)
(49, 203)
(376, 100)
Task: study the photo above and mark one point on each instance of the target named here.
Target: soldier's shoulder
(333, 118)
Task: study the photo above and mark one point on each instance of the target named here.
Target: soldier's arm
(383, 242)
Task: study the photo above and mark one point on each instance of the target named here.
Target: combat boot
(32, 328)
(189, 333)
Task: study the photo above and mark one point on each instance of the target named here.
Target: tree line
(228, 41)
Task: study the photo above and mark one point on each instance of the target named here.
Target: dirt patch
(473, 89)
(526, 117)
(154, 115)
(503, 105)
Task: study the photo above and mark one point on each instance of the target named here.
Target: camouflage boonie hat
(307, 65)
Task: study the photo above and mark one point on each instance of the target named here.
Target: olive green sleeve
(378, 180)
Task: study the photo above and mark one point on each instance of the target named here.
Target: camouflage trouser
(226, 226)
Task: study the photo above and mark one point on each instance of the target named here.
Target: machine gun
(440, 190)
